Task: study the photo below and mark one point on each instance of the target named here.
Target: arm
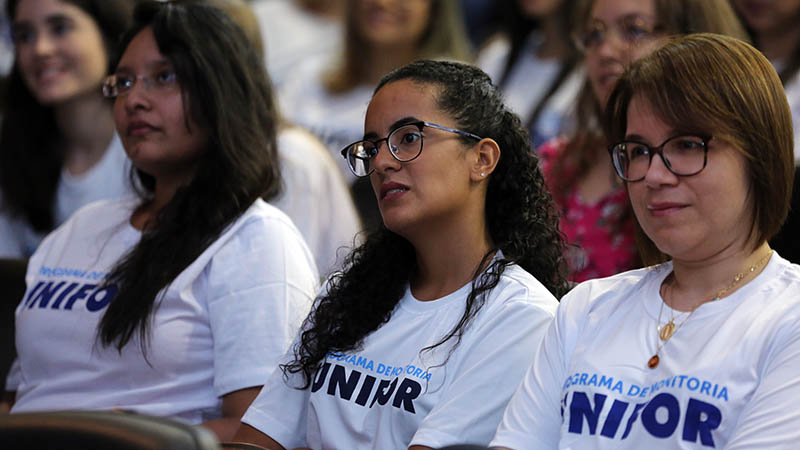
(7, 401)
(248, 434)
(233, 407)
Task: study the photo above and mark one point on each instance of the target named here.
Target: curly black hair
(520, 215)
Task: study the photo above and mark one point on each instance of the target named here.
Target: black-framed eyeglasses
(405, 144)
(683, 155)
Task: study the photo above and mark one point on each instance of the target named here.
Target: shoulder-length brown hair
(723, 87)
(674, 17)
(444, 38)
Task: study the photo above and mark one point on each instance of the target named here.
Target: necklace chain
(669, 328)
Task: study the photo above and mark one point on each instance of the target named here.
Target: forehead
(402, 99)
(142, 53)
(32, 10)
(613, 10)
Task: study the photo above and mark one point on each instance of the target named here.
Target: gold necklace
(669, 330)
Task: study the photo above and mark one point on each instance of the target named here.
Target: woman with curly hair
(422, 339)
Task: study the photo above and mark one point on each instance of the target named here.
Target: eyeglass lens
(682, 155)
(405, 144)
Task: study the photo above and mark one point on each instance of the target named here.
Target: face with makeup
(159, 136)
(618, 33)
(689, 217)
(436, 187)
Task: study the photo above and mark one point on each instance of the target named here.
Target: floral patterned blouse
(600, 235)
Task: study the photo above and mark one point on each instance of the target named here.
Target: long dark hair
(520, 216)
(30, 156)
(228, 95)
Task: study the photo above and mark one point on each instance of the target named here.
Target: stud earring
(483, 174)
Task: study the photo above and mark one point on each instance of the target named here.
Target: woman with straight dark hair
(179, 302)
(422, 338)
(703, 350)
(58, 146)
(534, 65)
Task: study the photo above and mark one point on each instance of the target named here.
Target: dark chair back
(101, 430)
(12, 288)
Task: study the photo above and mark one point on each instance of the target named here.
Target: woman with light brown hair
(703, 349)
(594, 208)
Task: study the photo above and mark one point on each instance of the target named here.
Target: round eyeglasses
(683, 155)
(405, 144)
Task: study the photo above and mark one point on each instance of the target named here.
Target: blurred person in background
(59, 149)
(536, 65)
(314, 193)
(295, 30)
(775, 28)
(595, 212)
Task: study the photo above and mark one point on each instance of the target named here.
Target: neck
(698, 282)
(553, 46)
(86, 125)
(448, 254)
(145, 216)
(779, 44)
(384, 59)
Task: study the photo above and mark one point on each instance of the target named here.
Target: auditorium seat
(101, 430)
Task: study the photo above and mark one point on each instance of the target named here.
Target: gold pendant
(667, 330)
(653, 362)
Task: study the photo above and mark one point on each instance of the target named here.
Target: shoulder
(492, 56)
(301, 151)
(519, 289)
(262, 220)
(109, 212)
(609, 292)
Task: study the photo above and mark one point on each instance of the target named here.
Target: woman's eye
(638, 150)
(22, 35)
(688, 144)
(410, 138)
(166, 77)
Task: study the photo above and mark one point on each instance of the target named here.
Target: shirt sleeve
(281, 409)
(771, 419)
(260, 284)
(533, 417)
(494, 362)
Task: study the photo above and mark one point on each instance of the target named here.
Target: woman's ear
(485, 158)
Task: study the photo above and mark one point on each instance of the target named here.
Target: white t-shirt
(390, 394)
(728, 378)
(109, 178)
(292, 35)
(792, 89)
(528, 82)
(316, 198)
(336, 119)
(222, 325)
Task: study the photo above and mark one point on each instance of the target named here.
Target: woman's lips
(665, 208)
(392, 190)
